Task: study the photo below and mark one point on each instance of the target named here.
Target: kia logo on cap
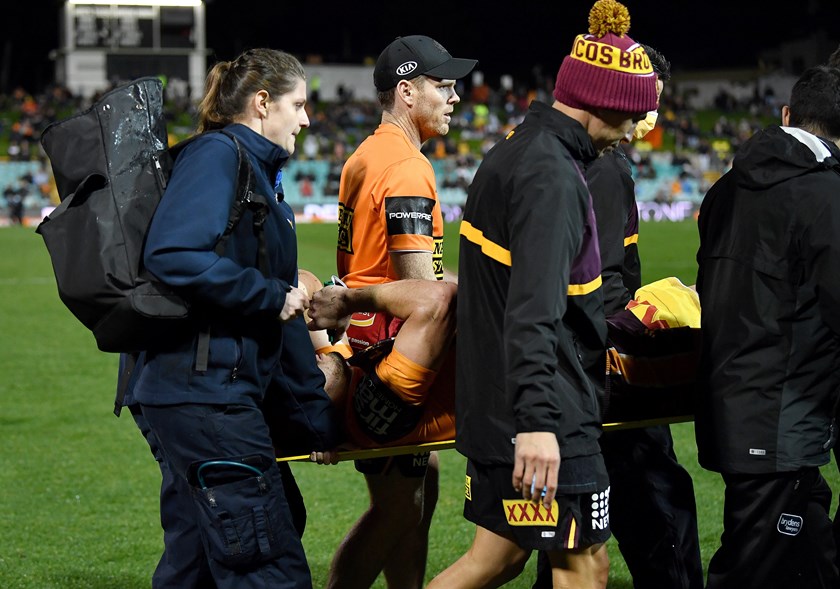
(407, 68)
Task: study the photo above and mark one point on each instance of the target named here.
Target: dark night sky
(504, 37)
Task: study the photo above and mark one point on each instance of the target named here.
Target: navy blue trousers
(178, 568)
(227, 521)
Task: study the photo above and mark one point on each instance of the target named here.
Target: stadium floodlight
(177, 3)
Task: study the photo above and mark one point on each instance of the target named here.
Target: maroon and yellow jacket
(530, 307)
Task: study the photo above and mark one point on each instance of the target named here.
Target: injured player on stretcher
(401, 391)
(398, 391)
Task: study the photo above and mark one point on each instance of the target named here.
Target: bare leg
(586, 568)
(396, 510)
(491, 561)
(406, 567)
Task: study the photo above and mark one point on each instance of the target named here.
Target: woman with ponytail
(226, 517)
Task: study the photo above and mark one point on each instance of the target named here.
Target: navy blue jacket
(249, 346)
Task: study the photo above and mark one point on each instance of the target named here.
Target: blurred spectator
(305, 184)
(14, 196)
(334, 177)
(310, 146)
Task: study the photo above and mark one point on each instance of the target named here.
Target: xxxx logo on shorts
(526, 513)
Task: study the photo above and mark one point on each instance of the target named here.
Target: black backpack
(111, 165)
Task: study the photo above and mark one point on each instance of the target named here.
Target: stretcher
(651, 367)
(365, 453)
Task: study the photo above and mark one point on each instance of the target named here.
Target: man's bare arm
(413, 265)
(428, 308)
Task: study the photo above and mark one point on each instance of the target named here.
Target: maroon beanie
(606, 68)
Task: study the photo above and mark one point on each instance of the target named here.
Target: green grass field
(79, 486)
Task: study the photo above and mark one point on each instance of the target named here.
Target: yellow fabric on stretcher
(653, 355)
(666, 304)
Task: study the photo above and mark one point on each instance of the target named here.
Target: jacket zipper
(234, 374)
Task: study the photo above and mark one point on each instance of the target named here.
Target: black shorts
(411, 466)
(579, 516)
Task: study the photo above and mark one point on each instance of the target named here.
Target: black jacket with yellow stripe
(610, 180)
(530, 307)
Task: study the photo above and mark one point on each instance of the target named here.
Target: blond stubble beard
(432, 124)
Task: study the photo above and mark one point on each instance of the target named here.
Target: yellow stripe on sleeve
(488, 248)
(577, 290)
(502, 255)
(632, 239)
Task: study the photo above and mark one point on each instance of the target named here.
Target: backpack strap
(244, 199)
(124, 378)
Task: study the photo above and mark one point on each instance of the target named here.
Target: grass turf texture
(79, 487)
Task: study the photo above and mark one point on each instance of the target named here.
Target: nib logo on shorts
(789, 525)
(601, 510)
(526, 513)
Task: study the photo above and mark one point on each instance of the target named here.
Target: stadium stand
(688, 153)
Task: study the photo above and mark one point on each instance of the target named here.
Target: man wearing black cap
(391, 228)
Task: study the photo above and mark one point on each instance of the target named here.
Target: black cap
(415, 55)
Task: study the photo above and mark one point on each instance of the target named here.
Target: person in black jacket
(834, 61)
(652, 507)
(652, 510)
(770, 293)
(529, 277)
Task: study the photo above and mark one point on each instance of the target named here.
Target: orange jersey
(437, 422)
(387, 203)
